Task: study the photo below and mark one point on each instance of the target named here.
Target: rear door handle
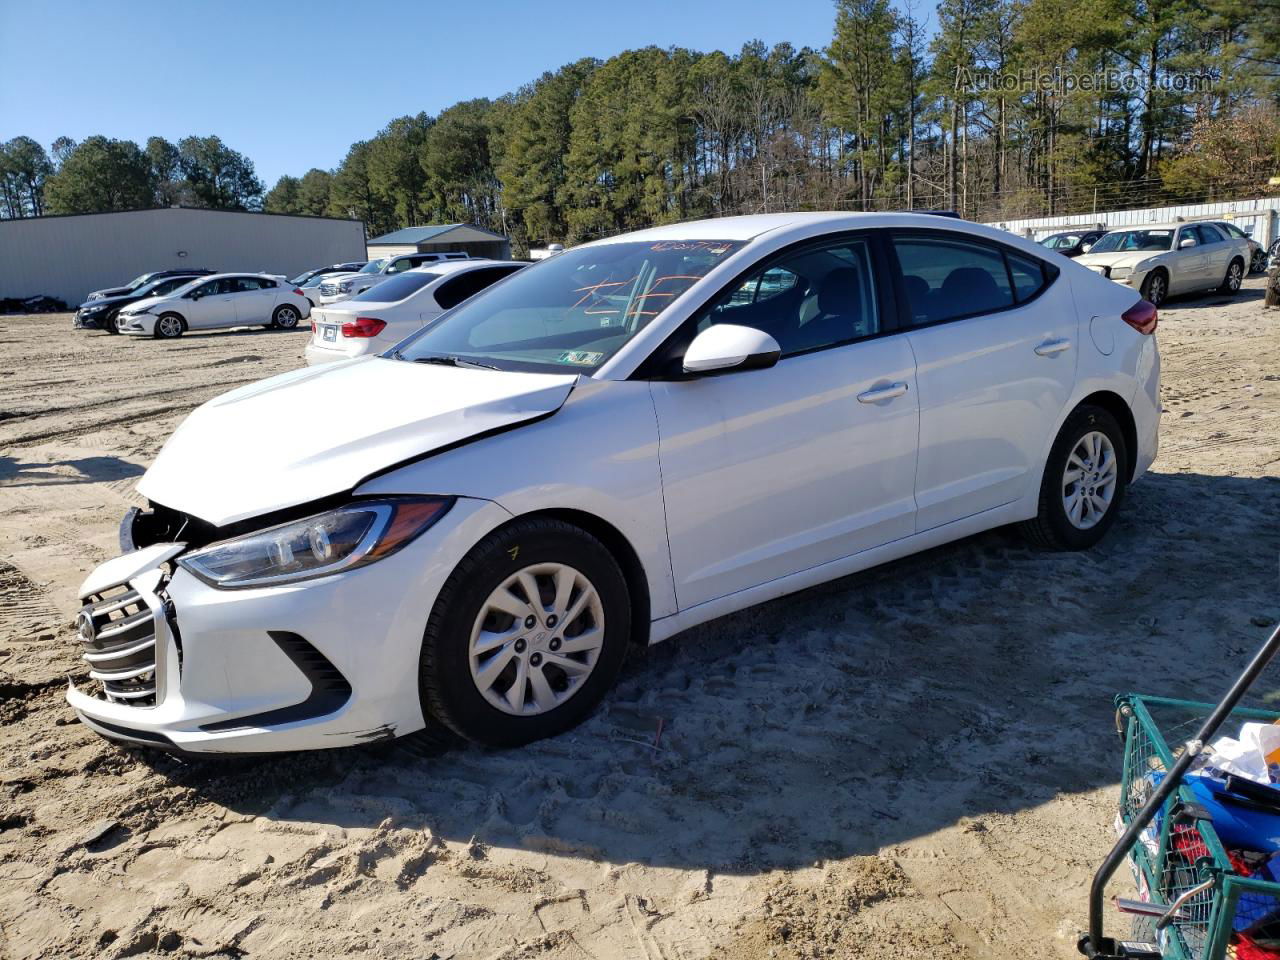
(877, 394)
(1050, 347)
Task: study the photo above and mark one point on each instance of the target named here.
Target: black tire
(286, 317)
(1052, 527)
(111, 323)
(450, 695)
(1258, 262)
(1155, 288)
(1234, 276)
(169, 331)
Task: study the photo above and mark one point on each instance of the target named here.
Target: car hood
(104, 301)
(1121, 258)
(146, 303)
(320, 431)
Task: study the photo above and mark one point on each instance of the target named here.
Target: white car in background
(382, 316)
(1164, 259)
(604, 449)
(223, 300)
(343, 286)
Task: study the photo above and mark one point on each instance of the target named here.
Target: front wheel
(169, 326)
(1084, 482)
(112, 323)
(1235, 274)
(285, 318)
(527, 634)
(1155, 288)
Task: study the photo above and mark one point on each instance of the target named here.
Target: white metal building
(441, 238)
(1259, 218)
(68, 256)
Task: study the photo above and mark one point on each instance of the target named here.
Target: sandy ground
(914, 762)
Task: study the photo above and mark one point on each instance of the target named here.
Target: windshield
(374, 266)
(572, 312)
(136, 282)
(398, 287)
(314, 281)
(302, 278)
(1135, 240)
(190, 284)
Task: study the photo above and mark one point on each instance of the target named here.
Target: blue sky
(292, 85)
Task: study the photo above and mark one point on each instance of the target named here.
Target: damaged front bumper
(180, 665)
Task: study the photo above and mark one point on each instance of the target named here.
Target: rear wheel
(1258, 262)
(1084, 482)
(169, 326)
(1235, 274)
(285, 317)
(1156, 287)
(527, 635)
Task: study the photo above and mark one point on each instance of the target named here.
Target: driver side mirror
(1186, 242)
(1086, 247)
(726, 347)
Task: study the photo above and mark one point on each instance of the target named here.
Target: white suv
(342, 286)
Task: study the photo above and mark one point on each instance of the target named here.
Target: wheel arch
(165, 313)
(1115, 405)
(617, 544)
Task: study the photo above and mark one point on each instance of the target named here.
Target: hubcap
(1089, 481)
(1233, 276)
(170, 327)
(536, 639)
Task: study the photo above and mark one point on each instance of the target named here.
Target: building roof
(428, 234)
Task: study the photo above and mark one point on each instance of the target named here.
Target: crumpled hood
(1121, 258)
(319, 431)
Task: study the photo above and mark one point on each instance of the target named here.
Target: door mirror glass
(1086, 247)
(724, 347)
(1186, 242)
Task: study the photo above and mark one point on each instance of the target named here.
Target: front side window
(572, 312)
(1209, 233)
(816, 297)
(948, 278)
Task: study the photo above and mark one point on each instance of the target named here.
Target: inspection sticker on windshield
(586, 358)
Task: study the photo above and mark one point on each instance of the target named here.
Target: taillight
(313, 328)
(364, 327)
(298, 292)
(1142, 316)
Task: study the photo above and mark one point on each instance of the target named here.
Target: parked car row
(1159, 260)
(343, 286)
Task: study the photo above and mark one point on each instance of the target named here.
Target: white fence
(1258, 218)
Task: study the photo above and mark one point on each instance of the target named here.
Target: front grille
(121, 646)
(328, 289)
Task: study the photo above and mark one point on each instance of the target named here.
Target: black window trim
(657, 366)
(1048, 272)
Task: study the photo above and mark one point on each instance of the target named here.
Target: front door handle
(877, 394)
(1050, 347)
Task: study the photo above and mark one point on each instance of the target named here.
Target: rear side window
(454, 291)
(246, 284)
(945, 279)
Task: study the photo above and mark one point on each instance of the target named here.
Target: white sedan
(382, 316)
(223, 300)
(610, 446)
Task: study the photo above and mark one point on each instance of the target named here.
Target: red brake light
(298, 292)
(364, 327)
(313, 326)
(1142, 316)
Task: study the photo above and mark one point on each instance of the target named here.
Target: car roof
(458, 266)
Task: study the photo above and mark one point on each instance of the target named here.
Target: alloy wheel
(287, 318)
(169, 326)
(1155, 289)
(1089, 480)
(536, 639)
(1234, 276)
